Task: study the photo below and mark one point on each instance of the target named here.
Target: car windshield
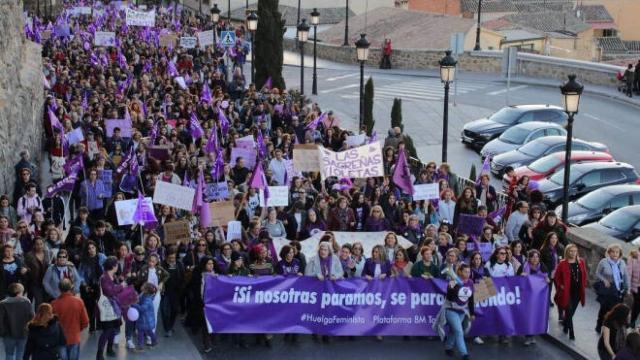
(619, 220)
(594, 200)
(534, 148)
(506, 116)
(545, 164)
(514, 135)
(558, 178)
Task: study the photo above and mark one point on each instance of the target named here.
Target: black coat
(43, 341)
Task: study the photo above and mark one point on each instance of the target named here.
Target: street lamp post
(447, 75)
(571, 92)
(298, 18)
(346, 24)
(477, 47)
(315, 20)
(228, 13)
(252, 26)
(215, 18)
(199, 8)
(303, 35)
(362, 53)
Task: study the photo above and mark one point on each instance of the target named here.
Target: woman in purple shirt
(288, 265)
(377, 266)
(110, 289)
(376, 220)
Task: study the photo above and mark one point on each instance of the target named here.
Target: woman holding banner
(457, 312)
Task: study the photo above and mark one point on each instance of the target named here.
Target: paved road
(600, 119)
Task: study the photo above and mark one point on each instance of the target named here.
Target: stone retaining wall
(483, 61)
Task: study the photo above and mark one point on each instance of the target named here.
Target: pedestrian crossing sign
(228, 38)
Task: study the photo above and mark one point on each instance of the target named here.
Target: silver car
(519, 135)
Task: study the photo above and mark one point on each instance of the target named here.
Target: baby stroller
(622, 84)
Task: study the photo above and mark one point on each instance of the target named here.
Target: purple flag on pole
(205, 216)
(262, 149)
(144, 214)
(195, 128)
(401, 174)
(55, 123)
(224, 123)
(373, 138)
(205, 96)
(171, 69)
(74, 165)
(218, 165)
(85, 102)
(212, 142)
(314, 124)
(197, 200)
(124, 163)
(486, 168)
(497, 214)
(65, 184)
(268, 84)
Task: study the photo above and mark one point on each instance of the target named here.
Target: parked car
(596, 204)
(518, 135)
(528, 153)
(623, 224)
(586, 177)
(549, 164)
(478, 132)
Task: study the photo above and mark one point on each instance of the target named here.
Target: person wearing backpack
(45, 335)
(15, 313)
(29, 204)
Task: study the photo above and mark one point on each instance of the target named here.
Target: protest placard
(181, 82)
(107, 178)
(45, 35)
(426, 191)
(176, 231)
(140, 18)
(75, 136)
(79, 10)
(93, 149)
(249, 156)
(167, 39)
(485, 249)
(104, 38)
(356, 140)
(188, 42)
(205, 38)
(483, 290)
(361, 162)
(278, 196)
(180, 197)
(306, 157)
(216, 191)
(246, 142)
(234, 230)
(126, 208)
(159, 152)
(470, 224)
(123, 124)
(222, 212)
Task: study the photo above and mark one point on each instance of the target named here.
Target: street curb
(574, 353)
(606, 94)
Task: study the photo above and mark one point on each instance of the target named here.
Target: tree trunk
(268, 44)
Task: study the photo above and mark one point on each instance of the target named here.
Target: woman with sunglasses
(357, 255)
(499, 266)
(12, 270)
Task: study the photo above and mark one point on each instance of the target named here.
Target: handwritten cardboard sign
(126, 208)
(205, 38)
(188, 42)
(216, 191)
(177, 231)
(306, 157)
(361, 162)
(222, 212)
(278, 196)
(180, 197)
(426, 191)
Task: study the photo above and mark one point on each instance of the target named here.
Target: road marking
(498, 92)
(339, 88)
(608, 123)
(341, 77)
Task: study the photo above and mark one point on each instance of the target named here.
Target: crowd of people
(61, 275)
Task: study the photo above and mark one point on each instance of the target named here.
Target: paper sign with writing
(361, 162)
(181, 82)
(205, 38)
(141, 18)
(176, 231)
(180, 197)
(104, 38)
(126, 208)
(216, 191)
(188, 42)
(246, 142)
(93, 149)
(234, 230)
(167, 39)
(222, 212)
(278, 196)
(124, 125)
(306, 157)
(75, 136)
(356, 140)
(426, 191)
(249, 156)
(484, 289)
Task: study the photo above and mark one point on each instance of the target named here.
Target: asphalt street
(600, 119)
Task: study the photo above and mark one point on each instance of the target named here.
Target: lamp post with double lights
(303, 35)
(252, 26)
(215, 18)
(315, 20)
(447, 75)
(362, 54)
(571, 92)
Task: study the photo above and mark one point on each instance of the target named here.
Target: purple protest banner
(394, 306)
(470, 224)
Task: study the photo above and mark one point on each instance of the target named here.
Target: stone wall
(529, 65)
(21, 93)
(592, 246)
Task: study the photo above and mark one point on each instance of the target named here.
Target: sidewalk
(585, 344)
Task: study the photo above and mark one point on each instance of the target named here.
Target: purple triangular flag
(401, 174)
(74, 165)
(205, 97)
(224, 122)
(66, 184)
(195, 128)
(197, 200)
(144, 214)
(486, 168)
(314, 124)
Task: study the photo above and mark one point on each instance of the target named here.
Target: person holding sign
(458, 311)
